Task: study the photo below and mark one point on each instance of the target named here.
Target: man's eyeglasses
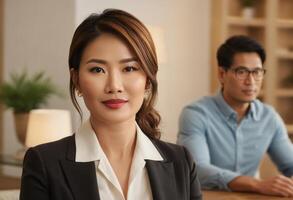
(242, 73)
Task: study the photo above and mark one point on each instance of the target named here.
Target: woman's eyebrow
(101, 61)
(126, 60)
(95, 60)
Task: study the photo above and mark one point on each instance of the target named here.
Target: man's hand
(277, 186)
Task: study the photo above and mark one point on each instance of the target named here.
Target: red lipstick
(114, 103)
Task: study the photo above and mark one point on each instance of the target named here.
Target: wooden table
(221, 195)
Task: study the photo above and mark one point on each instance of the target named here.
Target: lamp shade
(47, 125)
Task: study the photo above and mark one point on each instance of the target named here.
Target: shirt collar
(253, 111)
(145, 147)
(228, 112)
(89, 149)
(223, 105)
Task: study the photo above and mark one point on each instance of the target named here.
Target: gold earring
(147, 93)
(79, 93)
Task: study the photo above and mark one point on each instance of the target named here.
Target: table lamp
(47, 125)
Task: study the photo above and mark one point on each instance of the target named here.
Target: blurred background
(35, 36)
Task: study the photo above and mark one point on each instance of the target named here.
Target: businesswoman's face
(111, 80)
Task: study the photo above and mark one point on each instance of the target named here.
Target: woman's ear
(147, 84)
(74, 78)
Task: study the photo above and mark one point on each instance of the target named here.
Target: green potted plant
(22, 94)
(248, 8)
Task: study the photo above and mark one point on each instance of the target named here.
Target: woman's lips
(114, 103)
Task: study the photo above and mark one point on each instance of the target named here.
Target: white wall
(37, 36)
(185, 75)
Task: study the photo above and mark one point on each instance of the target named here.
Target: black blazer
(51, 173)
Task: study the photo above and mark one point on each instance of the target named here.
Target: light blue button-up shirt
(224, 149)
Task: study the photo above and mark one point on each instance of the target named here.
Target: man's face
(242, 81)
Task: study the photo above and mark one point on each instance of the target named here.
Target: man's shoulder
(203, 105)
(263, 108)
(203, 102)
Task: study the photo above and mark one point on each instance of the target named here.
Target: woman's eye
(130, 69)
(97, 70)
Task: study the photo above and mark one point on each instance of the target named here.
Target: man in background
(229, 133)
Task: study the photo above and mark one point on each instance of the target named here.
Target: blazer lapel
(81, 176)
(82, 179)
(162, 180)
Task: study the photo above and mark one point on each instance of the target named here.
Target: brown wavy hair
(135, 34)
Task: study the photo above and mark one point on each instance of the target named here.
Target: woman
(116, 154)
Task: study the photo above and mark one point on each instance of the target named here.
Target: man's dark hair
(238, 44)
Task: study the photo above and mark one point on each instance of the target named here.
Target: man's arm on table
(281, 152)
(192, 128)
(191, 134)
(278, 186)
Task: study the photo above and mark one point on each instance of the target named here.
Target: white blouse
(88, 149)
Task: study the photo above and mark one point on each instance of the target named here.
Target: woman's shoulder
(177, 154)
(164, 144)
(55, 149)
(168, 150)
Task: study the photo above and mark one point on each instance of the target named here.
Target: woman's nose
(114, 83)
